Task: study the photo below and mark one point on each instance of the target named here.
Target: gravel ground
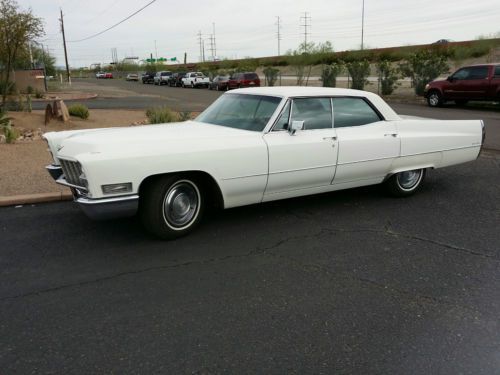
(23, 164)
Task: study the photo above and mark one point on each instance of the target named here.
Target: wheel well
(207, 181)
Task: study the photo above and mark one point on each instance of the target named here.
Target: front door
(308, 158)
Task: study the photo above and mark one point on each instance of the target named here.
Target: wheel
(171, 206)
(192, 85)
(216, 88)
(183, 85)
(434, 99)
(405, 183)
(461, 102)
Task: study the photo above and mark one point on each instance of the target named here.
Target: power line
(116, 24)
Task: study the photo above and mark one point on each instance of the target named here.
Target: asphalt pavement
(351, 282)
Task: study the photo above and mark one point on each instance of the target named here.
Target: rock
(64, 111)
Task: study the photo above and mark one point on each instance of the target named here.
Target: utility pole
(156, 53)
(278, 33)
(215, 44)
(65, 50)
(362, 23)
(200, 41)
(212, 47)
(306, 19)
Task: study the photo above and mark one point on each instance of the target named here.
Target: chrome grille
(72, 171)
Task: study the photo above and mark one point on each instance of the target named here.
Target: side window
(461, 74)
(282, 123)
(478, 72)
(497, 71)
(315, 112)
(352, 112)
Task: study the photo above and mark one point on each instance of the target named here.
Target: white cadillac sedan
(250, 146)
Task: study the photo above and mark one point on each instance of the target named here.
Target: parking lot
(346, 282)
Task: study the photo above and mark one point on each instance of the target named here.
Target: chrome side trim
(108, 208)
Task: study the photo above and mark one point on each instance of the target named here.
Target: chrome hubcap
(434, 99)
(409, 179)
(181, 204)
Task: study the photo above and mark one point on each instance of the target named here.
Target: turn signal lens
(117, 188)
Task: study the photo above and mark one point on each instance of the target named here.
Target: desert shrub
(79, 110)
(160, 115)
(359, 71)
(39, 94)
(271, 75)
(330, 73)
(6, 127)
(388, 76)
(185, 116)
(28, 106)
(30, 90)
(423, 67)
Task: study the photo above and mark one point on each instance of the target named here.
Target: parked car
(251, 146)
(161, 78)
(148, 77)
(241, 80)
(100, 75)
(175, 79)
(132, 77)
(475, 82)
(219, 83)
(195, 79)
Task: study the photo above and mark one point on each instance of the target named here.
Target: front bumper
(101, 208)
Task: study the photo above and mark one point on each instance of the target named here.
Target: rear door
(368, 144)
(470, 83)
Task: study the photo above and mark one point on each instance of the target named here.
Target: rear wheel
(405, 183)
(434, 99)
(192, 85)
(172, 206)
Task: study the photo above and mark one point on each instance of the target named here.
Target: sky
(248, 28)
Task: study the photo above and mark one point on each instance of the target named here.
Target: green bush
(359, 71)
(30, 90)
(423, 67)
(330, 73)
(185, 116)
(388, 76)
(160, 115)
(79, 110)
(271, 75)
(39, 94)
(6, 126)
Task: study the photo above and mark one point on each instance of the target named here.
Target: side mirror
(450, 79)
(296, 125)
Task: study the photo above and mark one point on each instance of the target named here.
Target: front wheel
(172, 206)
(434, 99)
(405, 183)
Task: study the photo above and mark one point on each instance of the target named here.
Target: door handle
(391, 135)
(328, 138)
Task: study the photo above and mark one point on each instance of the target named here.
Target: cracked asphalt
(346, 282)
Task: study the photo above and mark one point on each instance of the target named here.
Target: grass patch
(79, 110)
(161, 115)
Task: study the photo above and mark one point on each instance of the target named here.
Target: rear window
(478, 72)
(166, 73)
(251, 76)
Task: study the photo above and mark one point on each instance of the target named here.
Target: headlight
(427, 87)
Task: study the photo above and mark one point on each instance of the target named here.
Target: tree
(17, 27)
(388, 76)
(359, 71)
(303, 59)
(423, 67)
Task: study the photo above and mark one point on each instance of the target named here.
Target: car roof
(303, 91)
(485, 64)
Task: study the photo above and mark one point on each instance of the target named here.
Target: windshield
(241, 111)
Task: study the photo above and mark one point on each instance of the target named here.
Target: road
(346, 282)
(134, 95)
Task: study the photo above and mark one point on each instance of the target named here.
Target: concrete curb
(83, 97)
(16, 200)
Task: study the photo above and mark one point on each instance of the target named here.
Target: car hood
(144, 138)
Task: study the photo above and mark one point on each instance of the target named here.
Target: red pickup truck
(475, 82)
